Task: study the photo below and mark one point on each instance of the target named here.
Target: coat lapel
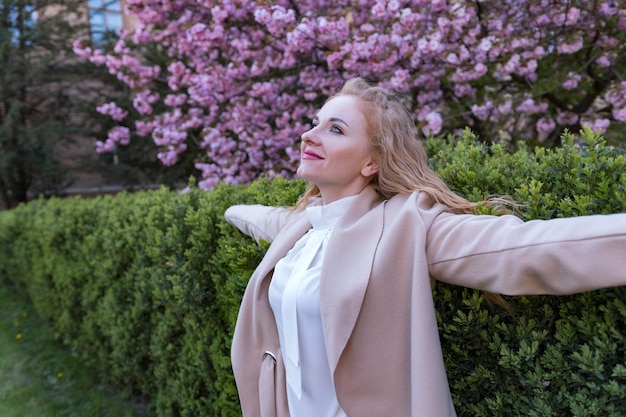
(343, 284)
(285, 240)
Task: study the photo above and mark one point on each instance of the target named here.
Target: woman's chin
(302, 173)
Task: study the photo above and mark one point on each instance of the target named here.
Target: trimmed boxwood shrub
(145, 287)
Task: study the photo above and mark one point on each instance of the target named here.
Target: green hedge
(145, 287)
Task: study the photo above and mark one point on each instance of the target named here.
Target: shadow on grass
(39, 377)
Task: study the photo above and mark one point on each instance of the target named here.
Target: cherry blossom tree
(235, 82)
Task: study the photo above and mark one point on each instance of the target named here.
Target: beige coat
(376, 300)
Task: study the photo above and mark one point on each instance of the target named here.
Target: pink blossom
(379, 10)
(438, 5)
(620, 114)
(572, 16)
(433, 123)
(175, 100)
(452, 58)
(399, 79)
(143, 100)
(142, 106)
(479, 70)
(608, 8)
(538, 53)
(463, 90)
(604, 61)
(98, 58)
(463, 53)
(111, 109)
(141, 36)
(393, 6)
(597, 124)
(209, 182)
(567, 118)
(512, 65)
(543, 20)
(545, 125)
(179, 75)
(570, 47)
(105, 147)
(277, 21)
(144, 128)
(506, 107)
(617, 95)
(118, 134)
(427, 97)
(81, 51)
(559, 19)
(482, 112)
(120, 47)
(571, 81)
(443, 23)
(608, 42)
(530, 106)
(168, 158)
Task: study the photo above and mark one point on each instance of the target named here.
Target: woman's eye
(336, 129)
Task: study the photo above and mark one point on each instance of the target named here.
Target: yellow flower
(18, 336)
(60, 375)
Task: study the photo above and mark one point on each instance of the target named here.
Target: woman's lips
(310, 155)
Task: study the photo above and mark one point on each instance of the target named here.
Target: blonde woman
(338, 318)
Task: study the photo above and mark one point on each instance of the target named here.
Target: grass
(39, 377)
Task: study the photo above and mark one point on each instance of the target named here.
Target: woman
(338, 318)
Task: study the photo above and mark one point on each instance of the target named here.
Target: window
(18, 22)
(105, 17)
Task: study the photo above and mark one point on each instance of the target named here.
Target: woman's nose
(308, 137)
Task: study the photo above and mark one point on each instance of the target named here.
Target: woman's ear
(370, 168)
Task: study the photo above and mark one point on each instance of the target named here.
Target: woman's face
(336, 153)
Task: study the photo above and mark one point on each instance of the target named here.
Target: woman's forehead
(342, 106)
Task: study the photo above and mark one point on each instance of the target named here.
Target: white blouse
(295, 299)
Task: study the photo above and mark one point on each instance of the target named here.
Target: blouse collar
(326, 216)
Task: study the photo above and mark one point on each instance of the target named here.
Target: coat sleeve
(508, 256)
(258, 221)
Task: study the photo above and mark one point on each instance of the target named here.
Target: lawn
(39, 377)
